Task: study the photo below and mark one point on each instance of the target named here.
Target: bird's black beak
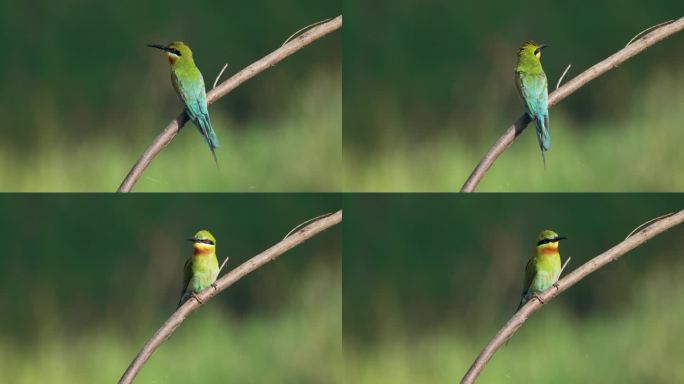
(542, 46)
(559, 238)
(192, 239)
(162, 47)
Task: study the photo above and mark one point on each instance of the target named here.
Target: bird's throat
(172, 58)
(202, 250)
(546, 251)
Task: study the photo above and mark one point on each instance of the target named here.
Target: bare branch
(225, 261)
(223, 89)
(224, 282)
(566, 90)
(648, 222)
(563, 75)
(648, 29)
(306, 222)
(568, 281)
(565, 265)
(221, 73)
(304, 29)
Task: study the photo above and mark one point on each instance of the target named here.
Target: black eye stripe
(536, 51)
(207, 241)
(175, 51)
(546, 241)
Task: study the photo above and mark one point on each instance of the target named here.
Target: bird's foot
(213, 285)
(194, 296)
(556, 286)
(536, 296)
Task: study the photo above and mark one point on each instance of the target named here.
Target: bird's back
(533, 89)
(189, 85)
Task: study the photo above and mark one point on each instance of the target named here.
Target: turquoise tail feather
(203, 124)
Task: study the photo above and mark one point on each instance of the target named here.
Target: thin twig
(648, 29)
(304, 29)
(647, 223)
(219, 75)
(562, 76)
(306, 222)
(566, 90)
(564, 265)
(600, 261)
(165, 137)
(223, 264)
(221, 284)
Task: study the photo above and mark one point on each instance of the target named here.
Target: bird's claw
(194, 295)
(536, 296)
(213, 285)
(556, 285)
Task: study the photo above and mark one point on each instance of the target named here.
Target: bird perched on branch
(544, 268)
(202, 267)
(530, 80)
(189, 85)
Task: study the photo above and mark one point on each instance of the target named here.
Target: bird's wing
(534, 90)
(530, 271)
(187, 275)
(190, 89)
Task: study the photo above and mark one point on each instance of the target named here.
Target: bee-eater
(530, 80)
(189, 85)
(202, 267)
(544, 268)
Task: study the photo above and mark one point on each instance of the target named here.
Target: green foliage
(82, 96)
(636, 151)
(299, 343)
(298, 149)
(426, 98)
(638, 343)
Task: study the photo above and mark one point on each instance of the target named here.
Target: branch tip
(219, 75)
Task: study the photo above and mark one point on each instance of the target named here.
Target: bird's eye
(175, 51)
(536, 52)
(207, 241)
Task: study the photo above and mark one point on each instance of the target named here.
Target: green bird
(544, 268)
(530, 80)
(189, 85)
(202, 267)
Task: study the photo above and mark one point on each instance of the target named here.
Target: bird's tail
(543, 135)
(204, 126)
(183, 299)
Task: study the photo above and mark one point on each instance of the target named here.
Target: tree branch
(224, 282)
(223, 89)
(568, 281)
(568, 88)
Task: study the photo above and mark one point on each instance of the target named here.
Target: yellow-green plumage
(189, 85)
(202, 267)
(530, 80)
(544, 268)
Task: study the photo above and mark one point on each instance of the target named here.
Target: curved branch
(223, 89)
(568, 88)
(224, 282)
(568, 281)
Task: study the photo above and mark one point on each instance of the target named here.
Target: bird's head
(175, 51)
(531, 49)
(203, 242)
(548, 240)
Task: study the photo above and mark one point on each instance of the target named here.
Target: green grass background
(428, 89)
(82, 97)
(436, 276)
(82, 293)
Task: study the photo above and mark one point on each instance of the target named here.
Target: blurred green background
(428, 89)
(86, 280)
(436, 276)
(83, 96)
